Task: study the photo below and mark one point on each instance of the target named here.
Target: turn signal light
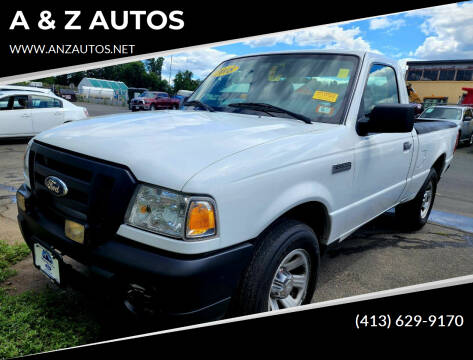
(200, 219)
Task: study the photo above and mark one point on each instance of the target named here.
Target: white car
(25, 88)
(226, 206)
(459, 115)
(27, 113)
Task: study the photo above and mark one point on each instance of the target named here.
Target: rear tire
(283, 270)
(414, 214)
(470, 142)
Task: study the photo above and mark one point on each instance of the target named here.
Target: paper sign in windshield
(325, 96)
(226, 70)
(343, 73)
(275, 72)
(324, 110)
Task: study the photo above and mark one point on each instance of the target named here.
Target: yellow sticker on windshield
(275, 72)
(226, 70)
(343, 73)
(325, 96)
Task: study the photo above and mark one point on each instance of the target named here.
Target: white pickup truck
(224, 207)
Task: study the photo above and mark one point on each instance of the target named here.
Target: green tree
(183, 81)
(155, 66)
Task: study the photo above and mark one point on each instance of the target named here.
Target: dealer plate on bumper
(47, 262)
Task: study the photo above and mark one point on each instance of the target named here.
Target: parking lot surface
(377, 257)
(99, 109)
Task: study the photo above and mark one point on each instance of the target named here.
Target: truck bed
(426, 126)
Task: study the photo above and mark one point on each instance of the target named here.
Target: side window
(381, 88)
(44, 102)
(4, 103)
(19, 102)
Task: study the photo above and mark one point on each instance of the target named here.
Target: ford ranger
(224, 207)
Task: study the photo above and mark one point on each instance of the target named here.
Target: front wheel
(283, 271)
(414, 214)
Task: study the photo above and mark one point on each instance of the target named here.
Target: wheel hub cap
(290, 282)
(282, 284)
(426, 200)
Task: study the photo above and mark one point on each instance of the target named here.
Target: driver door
(382, 160)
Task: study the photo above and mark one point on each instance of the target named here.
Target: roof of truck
(361, 54)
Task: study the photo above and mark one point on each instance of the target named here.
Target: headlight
(26, 165)
(165, 212)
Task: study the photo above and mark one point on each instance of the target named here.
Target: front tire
(413, 215)
(283, 271)
(152, 107)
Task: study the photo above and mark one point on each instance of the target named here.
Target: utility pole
(170, 70)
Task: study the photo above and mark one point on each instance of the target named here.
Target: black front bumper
(197, 287)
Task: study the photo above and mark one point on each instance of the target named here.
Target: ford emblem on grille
(56, 186)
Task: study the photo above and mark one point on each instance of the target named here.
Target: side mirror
(387, 118)
(467, 118)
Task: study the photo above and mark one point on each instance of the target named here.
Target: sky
(437, 33)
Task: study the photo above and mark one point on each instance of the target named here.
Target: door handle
(407, 145)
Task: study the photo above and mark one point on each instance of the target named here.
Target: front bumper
(198, 288)
(140, 106)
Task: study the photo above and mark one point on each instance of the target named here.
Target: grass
(10, 255)
(34, 322)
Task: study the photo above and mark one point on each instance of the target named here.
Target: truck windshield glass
(442, 113)
(147, 94)
(315, 86)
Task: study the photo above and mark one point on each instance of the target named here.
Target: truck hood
(167, 148)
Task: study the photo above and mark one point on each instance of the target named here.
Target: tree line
(139, 74)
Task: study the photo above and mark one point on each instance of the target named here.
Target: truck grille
(98, 192)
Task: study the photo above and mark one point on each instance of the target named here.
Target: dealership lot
(377, 257)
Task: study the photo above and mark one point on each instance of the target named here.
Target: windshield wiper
(199, 103)
(271, 108)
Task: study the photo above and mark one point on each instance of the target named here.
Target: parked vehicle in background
(183, 95)
(4, 88)
(68, 94)
(133, 93)
(223, 208)
(460, 115)
(467, 97)
(25, 114)
(154, 100)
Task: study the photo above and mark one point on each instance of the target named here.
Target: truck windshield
(311, 86)
(442, 113)
(147, 94)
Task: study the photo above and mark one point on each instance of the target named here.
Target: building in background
(440, 81)
(104, 89)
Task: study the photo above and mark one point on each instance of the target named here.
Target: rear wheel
(470, 142)
(414, 214)
(283, 271)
